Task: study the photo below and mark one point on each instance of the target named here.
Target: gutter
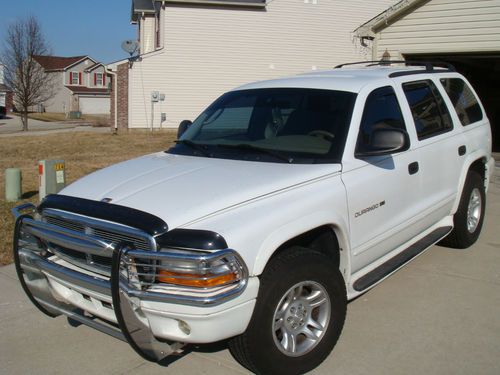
(381, 21)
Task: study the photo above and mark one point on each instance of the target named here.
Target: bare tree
(22, 74)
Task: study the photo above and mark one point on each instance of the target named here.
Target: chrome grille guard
(34, 264)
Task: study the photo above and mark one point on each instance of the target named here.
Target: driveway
(11, 126)
(438, 315)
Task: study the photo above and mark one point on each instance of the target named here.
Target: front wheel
(298, 317)
(468, 220)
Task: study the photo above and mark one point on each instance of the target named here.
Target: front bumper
(154, 324)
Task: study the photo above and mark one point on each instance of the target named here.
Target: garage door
(94, 105)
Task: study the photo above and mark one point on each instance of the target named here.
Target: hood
(180, 189)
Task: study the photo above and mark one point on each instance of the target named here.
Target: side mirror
(183, 126)
(385, 142)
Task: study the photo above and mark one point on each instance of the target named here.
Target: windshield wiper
(247, 147)
(194, 145)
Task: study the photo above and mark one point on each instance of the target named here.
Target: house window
(75, 78)
(98, 79)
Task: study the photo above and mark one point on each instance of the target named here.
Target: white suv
(281, 202)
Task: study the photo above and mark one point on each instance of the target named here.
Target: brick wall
(122, 91)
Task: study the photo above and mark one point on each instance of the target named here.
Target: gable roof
(92, 67)
(57, 62)
(391, 14)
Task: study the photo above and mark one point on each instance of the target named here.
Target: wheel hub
(474, 210)
(301, 318)
(296, 315)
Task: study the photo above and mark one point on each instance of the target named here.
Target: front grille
(107, 232)
(102, 234)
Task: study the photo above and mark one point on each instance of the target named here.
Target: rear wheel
(298, 317)
(468, 220)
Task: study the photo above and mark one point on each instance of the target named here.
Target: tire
(298, 272)
(468, 220)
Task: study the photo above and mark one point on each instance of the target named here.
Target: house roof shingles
(57, 62)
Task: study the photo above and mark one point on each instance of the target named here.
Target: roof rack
(428, 65)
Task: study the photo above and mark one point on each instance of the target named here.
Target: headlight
(183, 269)
(205, 270)
(191, 266)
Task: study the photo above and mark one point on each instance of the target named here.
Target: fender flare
(304, 224)
(471, 159)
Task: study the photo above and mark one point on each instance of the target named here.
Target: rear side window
(428, 109)
(463, 99)
(381, 111)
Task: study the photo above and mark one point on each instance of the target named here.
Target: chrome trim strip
(185, 300)
(200, 257)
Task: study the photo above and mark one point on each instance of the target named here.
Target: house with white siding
(80, 84)
(464, 33)
(192, 51)
(4, 93)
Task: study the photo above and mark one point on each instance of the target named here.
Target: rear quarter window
(463, 99)
(429, 111)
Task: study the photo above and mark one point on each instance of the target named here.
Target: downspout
(375, 47)
(115, 83)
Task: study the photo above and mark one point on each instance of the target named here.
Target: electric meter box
(52, 177)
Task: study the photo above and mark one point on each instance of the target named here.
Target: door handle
(413, 167)
(462, 150)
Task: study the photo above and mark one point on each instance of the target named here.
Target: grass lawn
(83, 153)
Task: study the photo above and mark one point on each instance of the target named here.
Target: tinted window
(428, 108)
(463, 99)
(381, 111)
(297, 123)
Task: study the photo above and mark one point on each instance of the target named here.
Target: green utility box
(13, 183)
(52, 177)
(75, 115)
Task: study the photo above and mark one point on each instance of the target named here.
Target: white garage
(94, 105)
(465, 33)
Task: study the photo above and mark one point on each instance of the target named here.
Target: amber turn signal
(195, 280)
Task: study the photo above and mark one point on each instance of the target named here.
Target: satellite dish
(130, 46)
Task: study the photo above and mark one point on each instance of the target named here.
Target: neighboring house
(463, 33)
(194, 50)
(5, 95)
(81, 85)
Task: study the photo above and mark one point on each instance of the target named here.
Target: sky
(92, 27)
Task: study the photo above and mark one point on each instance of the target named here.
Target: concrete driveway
(11, 126)
(438, 315)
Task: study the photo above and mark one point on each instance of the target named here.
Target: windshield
(279, 125)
